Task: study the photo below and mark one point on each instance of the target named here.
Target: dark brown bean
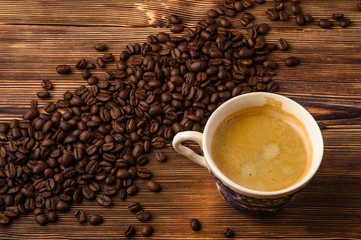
(129, 231)
(63, 69)
(195, 224)
(96, 220)
(147, 231)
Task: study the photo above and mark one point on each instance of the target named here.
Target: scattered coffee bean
(43, 94)
(4, 220)
(63, 69)
(300, 20)
(104, 200)
(143, 215)
(41, 219)
(308, 18)
(325, 23)
(282, 44)
(337, 16)
(46, 84)
(153, 186)
(129, 231)
(80, 216)
(345, 22)
(134, 207)
(296, 9)
(160, 157)
(260, 1)
(147, 231)
(195, 224)
(175, 19)
(358, 6)
(228, 233)
(292, 61)
(100, 47)
(52, 217)
(176, 28)
(96, 220)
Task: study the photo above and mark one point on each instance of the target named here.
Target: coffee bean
(80, 216)
(62, 206)
(134, 207)
(176, 28)
(104, 200)
(325, 23)
(100, 47)
(345, 22)
(296, 9)
(43, 94)
(46, 84)
(292, 61)
(175, 19)
(212, 13)
(228, 233)
(282, 44)
(300, 20)
(132, 190)
(153, 186)
(358, 6)
(96, 220)
(129, 231)
(272, 14)
(195, 224)
(4, 220)
(63, 69)
(260, 1)
(337, 16)
(147, 231)
(52, 217)
(41, 219)
(308, 18)
(143, 215)
(160, 156)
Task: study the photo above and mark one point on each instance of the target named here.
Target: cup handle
(185, 151)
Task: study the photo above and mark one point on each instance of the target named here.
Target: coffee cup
(235, 193)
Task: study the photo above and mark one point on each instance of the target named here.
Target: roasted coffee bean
(195, 224)
(292, 61)
(160, 156)
(345, 22)
(62, 206)
(134, 207)
(283, 15)
(358, 6)
(228, 233)
(337, 16)
(80, 216)
(43, 94)
(96, 220)
(52, 217)
(129, 231)
(176, 28)
(41, 219)
(143, 215)
(325, 23)
(308, 18)
(132, 190)
(37, 211)
(272, 14)
(147, 231)
(63, 69)
(153, 186)
(100, 47)
(282, 44)
(46, 84)
(296, 9)
(104, 200)
(300, 20)
(144, 173)
(175, 19)
(260, 1)
(212, 13)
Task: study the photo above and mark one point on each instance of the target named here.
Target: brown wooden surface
(37, 35)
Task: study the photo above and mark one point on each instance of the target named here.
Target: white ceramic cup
(237, 196)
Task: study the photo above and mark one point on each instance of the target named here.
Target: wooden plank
(38, 35)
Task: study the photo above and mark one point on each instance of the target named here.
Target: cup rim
(227, 181)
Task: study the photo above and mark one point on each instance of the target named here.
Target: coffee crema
(262, 148)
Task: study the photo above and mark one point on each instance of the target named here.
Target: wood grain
(38, 35)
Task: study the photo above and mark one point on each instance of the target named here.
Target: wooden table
(37, 35)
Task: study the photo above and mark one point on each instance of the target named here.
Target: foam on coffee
(262, 148)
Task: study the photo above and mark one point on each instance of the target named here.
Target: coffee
(262, 148)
